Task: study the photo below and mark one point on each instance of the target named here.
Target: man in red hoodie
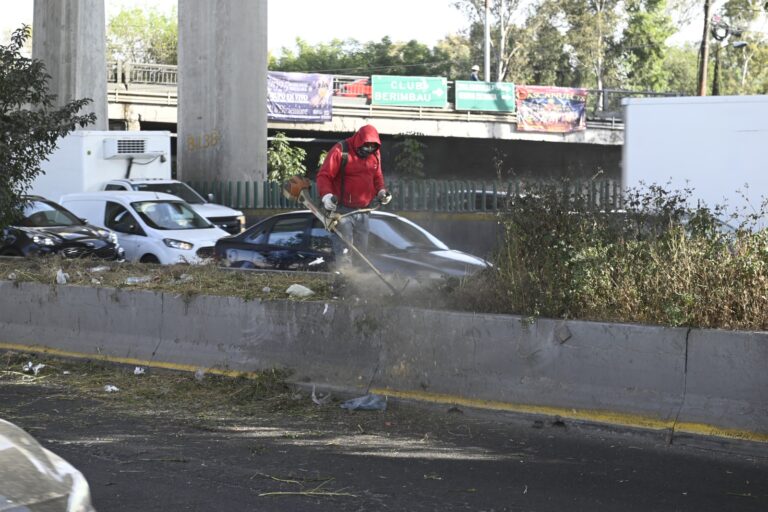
(353, 187)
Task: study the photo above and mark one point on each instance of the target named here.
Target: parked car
(153, 227)
(48, 228)
(360, 88)
(298, 241)
(34, 478)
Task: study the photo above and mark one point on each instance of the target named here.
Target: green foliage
(643, 44)
(657, 261)
(283, 160)
(409, 156)
(351, 57)
(30, 123)
(143, 36)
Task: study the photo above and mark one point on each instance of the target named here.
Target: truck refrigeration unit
(91, 161)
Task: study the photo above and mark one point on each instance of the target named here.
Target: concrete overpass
(136, 103)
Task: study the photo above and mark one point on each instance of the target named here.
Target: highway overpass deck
(158, 104)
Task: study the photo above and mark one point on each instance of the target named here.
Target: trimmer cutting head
(293, 188)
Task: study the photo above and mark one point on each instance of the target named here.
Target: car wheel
(10, 252)
(149, 258)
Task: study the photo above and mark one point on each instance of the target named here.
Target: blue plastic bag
(366, 403)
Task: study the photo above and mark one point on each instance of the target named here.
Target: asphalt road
(406, 458)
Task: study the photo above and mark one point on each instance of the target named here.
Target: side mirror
(83, 220)
(211, 198)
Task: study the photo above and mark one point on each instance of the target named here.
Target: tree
(137, 35)
(409, 158)
(284, 160)
(643, 44)
(30, 124)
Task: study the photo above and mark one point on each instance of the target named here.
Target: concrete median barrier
(697, 382)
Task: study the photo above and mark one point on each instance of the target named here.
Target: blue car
(299, 241)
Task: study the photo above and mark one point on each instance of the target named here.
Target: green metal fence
(415, 195)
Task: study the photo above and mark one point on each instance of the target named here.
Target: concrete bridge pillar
(222, 116)
(69, 37)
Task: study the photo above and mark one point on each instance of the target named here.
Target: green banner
(491, 96)
(410, 91)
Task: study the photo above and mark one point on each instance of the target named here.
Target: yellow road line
(587, 415)
(121, 360)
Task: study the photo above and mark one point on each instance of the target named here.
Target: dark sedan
(298, 241)
(48, 228)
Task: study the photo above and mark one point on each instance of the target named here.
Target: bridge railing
(602, 104)
(417, 195)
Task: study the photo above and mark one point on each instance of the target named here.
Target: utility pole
(704, 52)
(487, 66)
(502, 41)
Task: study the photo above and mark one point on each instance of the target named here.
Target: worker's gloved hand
(384, 196)
(329, 202)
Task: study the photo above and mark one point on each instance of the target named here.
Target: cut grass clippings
(185, 280)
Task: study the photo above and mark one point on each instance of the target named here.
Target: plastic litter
(95, 281)
(317, 261)
(297, 290)
(266, 289)
(12, 276)
(138, 371)
(184, 278)
(30, 367)
(61, 277)
(320, 399)
(109, 388)
(100, 268)
(325, 308)
(138, 280)
(199, 374)
(368, 402)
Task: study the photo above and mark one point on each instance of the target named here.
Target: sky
(427, 21)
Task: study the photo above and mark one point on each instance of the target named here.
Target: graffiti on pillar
(203, 141)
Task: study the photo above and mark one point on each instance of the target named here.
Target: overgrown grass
(655, 261)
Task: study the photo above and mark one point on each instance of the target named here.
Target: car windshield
(41, 214)
(180, 190)
(170, 215)
(403, 234)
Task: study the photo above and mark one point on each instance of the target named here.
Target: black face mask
(365, 152)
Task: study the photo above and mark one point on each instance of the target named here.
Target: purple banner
(299, 97)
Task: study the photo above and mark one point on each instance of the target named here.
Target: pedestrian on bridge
(474, 76)
(350, 179)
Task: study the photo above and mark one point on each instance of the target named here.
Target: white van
(152, 227)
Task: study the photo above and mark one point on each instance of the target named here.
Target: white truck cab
(152, 227)
(231, 221)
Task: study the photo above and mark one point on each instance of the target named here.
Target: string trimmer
(297, 188)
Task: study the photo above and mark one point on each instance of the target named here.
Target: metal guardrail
(415, 195)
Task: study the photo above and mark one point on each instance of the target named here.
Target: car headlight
(177, 244)
(106, 233)
(43, 240)
(241, 220)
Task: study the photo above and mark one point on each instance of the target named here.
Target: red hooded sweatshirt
(362, 176)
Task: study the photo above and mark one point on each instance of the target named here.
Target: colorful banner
(299, 97)
(488, 96)
(551, 109)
